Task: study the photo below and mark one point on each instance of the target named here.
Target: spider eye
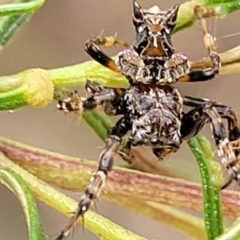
(140, 28)
(137, 14)
(167, 31)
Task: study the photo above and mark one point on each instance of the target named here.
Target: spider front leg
(207, 73)
(92, 48)
(98, 180)
(110, 97)
(227, 143)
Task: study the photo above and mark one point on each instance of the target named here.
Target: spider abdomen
(155, 112)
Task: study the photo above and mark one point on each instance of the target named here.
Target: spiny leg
(208, 41)
(207, 73)
(92, 48)
(71, 103)
(75, 103)
(98, 180)
(206, 110)
(233, 166)
(100, 95)
(93, 87)
(193, 117)
(233, 125)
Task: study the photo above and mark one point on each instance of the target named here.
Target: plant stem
(16, 184)
(219, 8)
(94, 222)
(18, 12)
(12, 87)
(23, 7)
(186, 223)
(178, 219)
(17, 95)
(37, 90)
(212, 208)
(222, 8)
(74, 174)
(98, 122)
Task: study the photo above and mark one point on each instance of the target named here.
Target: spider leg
(233, 125)
(207, 73)
(233, 165)
(125, 152)
(93, 87)
(204, 111)
(92, 48)
(111, 98)
(98, 180)
(192, 118)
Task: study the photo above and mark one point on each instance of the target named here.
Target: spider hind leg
(227, 141)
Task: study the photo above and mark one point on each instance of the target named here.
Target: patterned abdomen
(155, 112)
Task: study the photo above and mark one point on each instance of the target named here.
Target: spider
(152, 107)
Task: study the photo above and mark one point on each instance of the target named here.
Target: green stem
(23, 7)
(227, 8)
(179, 220)
(74, 173)
(10, 83)
(206, 189)
(16, 94)
(219, 8)
(216, 182)
(77, 75)
(9, 25)
(98, 122)
(217, 212)
(18, 12)
(16, 184)
(36, 90)
(212, 208)
(94, 222)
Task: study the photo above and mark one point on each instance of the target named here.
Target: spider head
(153, 30)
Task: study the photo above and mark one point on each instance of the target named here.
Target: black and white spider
(152, 107)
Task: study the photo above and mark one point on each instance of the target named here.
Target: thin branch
(94, 222)
(74, 174)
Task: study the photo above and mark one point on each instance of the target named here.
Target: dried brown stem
(74, 173)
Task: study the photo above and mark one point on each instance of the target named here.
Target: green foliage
(15, 184)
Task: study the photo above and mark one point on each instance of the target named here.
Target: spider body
(155, 114)
(152, 107)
